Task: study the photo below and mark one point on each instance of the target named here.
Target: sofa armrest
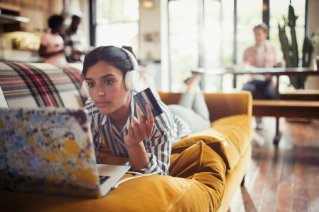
(41, 85)
(219, 104)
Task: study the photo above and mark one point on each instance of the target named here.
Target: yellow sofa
(229, 136)
(206, 167)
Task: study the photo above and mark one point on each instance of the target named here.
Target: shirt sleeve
(159, 156)
(94, 125)
(245, 56)
(158, 145)
(44, 39)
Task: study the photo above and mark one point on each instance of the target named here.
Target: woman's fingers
(137, 131)
(142, 123)
(143, 129)
(150, 120)
(130, 135)
(140, 114)
(131, 131)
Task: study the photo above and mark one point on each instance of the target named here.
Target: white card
(3, 102)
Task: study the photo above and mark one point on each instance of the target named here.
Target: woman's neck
(120, 116)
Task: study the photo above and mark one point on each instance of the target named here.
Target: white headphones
(132, 77)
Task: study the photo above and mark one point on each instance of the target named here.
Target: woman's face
(107, 87)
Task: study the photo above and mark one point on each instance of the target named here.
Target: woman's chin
(105, 110)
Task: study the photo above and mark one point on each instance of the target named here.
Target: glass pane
(249, 14)
(117, 23)
(183, 41)
(112, 11)
(212, 34)
(212, 42)
(228, 32)
(278, 9)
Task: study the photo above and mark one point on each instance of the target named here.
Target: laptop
(51, 151)
(3, 102)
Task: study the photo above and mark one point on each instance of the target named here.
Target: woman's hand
(140, 130)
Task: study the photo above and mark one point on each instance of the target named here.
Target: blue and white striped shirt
(167, 130)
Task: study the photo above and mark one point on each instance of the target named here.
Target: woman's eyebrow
(105, 76)
(86, 78)
(108, 75)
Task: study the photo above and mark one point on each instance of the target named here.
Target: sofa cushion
(41, 85)
(183, 164)
(199, 162)
(202, 190)
(228, 136)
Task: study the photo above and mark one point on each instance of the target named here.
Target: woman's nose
(101, 93)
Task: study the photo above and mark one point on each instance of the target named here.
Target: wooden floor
(285, 178)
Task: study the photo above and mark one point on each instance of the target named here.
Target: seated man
(262, 54)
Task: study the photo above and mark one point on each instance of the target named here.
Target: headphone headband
(132, 77)
(132, 59)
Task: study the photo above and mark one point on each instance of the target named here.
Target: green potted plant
(290, 49)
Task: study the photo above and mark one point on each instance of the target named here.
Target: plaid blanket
(41, 85)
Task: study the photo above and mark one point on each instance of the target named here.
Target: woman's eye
(90, 85)
(108, 82)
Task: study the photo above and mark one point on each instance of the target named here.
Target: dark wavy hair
(55, 20)
(112, 55)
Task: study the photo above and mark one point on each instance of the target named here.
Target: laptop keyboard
(103, 179)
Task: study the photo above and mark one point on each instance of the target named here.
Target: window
(249, 14)
(183, 40)
(219, 34)
(227, 32)
(117, 23)
(212, 34)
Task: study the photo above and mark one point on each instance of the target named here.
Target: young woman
(117, 120)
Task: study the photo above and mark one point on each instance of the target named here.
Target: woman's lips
(102, 104)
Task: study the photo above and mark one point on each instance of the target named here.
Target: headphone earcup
(132, 80)
(86, 88)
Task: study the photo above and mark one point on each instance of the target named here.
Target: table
(285, 108)
(275, 72)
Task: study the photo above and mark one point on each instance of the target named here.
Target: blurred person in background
(75, 43)
(52, 44)
(262, 54)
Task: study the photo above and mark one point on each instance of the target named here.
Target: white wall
(150, 24)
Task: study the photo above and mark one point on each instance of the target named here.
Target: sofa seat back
(219, 104)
